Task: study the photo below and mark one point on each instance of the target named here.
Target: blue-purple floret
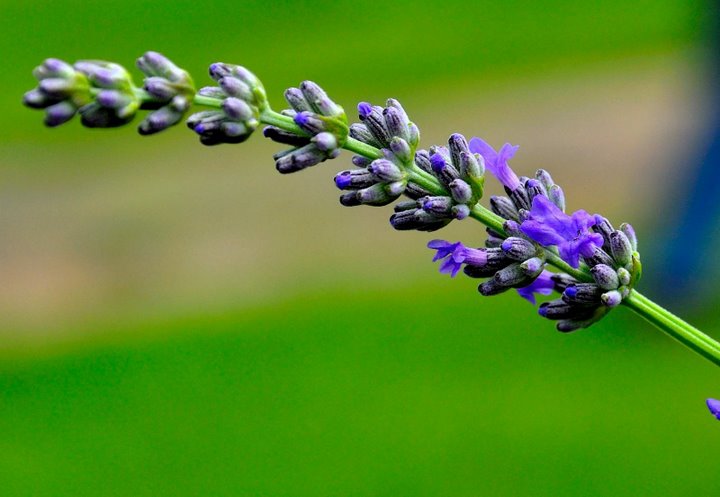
(549, 226)
(543, 285)
(714, 407)
(454, 255)
(497, 161)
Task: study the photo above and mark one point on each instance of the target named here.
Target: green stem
(672, 325)
(675, 327)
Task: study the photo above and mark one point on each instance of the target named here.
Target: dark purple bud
(630, 234)
(599, 257)
(159, 120)
(364, 109)
(355, 179)
(582, 294)
(544, 177)
(562, 281)
(460, 211)
(519, 197)
(422, 160)
(518, 249)
(440, 206)
(401, 149)
(461, 191)
(113, 99)
(557, 197)
(534, 188)
(54, 68)
(417, 220)
(437, 162)
(376, 195)
(513, 229)
(605, 276)
(159, 88)
(60, 113)
(325, 141)
(236, 88)
(503, 207)
(470, 166)
(414, 191)
(604, 228)
(532, 267)
(386, 171)
(391, 102)
(236, 129)
(37, 99)
(57, 87)
(457, 145)
(296, 100)
(395, 124)
(510, 276)
(220, 70)
(611, 299)
(559, 309)
(285, 137)
(212, 92)
(491, 287)
(375, 122)
(350, 199)
(318, 99)
(299, 159)
(361, 133)
(621, 248)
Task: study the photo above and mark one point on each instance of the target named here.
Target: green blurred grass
(419, 391)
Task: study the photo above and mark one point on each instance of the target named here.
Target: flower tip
(437, 162)
(571, 291)
(364, 109)
(542, 310)
(301, 118)
(714, 407)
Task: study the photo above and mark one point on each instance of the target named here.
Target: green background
(180, 320)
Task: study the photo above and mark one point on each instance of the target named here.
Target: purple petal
(582, 220)
(543, 234)
(507, 152)
(714, 406)
(480, 146)
(569, 253)
(544, 211)
(543, 284)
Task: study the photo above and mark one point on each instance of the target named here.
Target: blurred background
(181, 320)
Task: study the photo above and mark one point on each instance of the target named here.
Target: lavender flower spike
(549, 226)
(497, 162)
(714, 406)
(543, 285)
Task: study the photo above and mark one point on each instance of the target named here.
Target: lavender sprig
(532, 245)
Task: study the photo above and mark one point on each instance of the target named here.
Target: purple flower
(455, 255)
(497, 162)
(714, 406)
(548, 226)
(544, 285)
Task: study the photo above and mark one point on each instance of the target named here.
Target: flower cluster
(323, 123)
(104, 95)
(102, 92)
(535, 227)
(170, 92)
(242, 98)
